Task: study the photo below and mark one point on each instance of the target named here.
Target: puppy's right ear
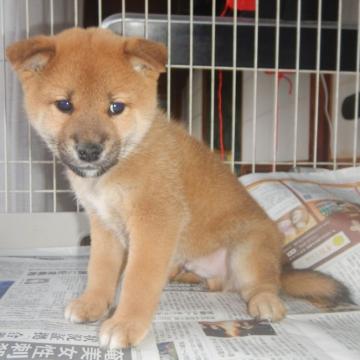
(31, 55)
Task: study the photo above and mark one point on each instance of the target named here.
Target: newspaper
(319, 214)
(192, 323)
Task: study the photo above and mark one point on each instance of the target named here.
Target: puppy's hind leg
(254, 271)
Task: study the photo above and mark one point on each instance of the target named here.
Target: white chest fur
(104, 201)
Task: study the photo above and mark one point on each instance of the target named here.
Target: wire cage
(270, 85)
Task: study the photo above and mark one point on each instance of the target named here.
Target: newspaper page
(192, 323)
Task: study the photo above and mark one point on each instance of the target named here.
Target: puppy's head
(90, 94)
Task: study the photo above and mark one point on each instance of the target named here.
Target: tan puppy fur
(157, 198)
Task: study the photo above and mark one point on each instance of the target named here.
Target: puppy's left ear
(146, 55)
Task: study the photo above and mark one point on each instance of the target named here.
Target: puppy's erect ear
(146, 54)
(32, 54)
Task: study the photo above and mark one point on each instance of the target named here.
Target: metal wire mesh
(269, 129)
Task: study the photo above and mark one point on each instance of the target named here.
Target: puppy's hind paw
(266, 306)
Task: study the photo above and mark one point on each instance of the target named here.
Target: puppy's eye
(64, 106)
(116, 108)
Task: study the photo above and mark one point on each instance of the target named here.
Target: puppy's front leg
(106, 259)
(152, 244)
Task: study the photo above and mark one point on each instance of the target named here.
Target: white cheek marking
(137, 133)
(39, 126)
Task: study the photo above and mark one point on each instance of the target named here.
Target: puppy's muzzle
(89, 152)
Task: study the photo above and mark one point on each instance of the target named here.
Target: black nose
(89, 152)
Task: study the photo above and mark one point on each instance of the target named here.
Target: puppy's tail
(322, 290)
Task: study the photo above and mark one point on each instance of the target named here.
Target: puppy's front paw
(267, 306)
(88, 307)
(117, 334)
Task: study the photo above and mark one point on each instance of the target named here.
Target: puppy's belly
(210, 266)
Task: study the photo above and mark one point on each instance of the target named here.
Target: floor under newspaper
(191, 323)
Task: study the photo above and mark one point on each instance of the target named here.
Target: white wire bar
(123, 17)
(276, 87)
(76, 24)
(76, 13)
(356, 110)
(233, 100)
(212, 86)
(27, 19)
(54, 159)
(317, 83)
(27, 162)
(146, 24)
(255, 82)
(261, 69)
(42, 191)
(337, 83)
(51, 17)
(297, 75)
(99, 12)
(168, 74)
(4, 115)
(27, 27)
(191, 69)
(289, 163)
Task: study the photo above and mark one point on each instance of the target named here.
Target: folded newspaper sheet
(319, 213)
(320, 217)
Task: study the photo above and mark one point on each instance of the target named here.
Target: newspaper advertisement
(191, 322)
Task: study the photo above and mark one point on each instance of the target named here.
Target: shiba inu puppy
(160, 203)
